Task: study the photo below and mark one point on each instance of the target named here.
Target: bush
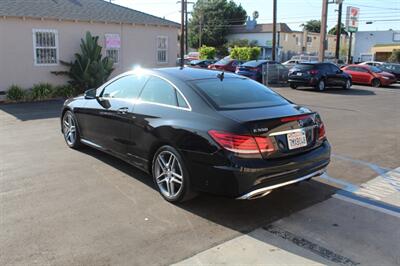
(15, 93)
(395, 56)
(207, 52)
(41, 91)
(245, 53)
(64, 91)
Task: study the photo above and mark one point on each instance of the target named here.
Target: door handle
(122, 110)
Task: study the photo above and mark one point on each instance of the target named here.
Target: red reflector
(321, 131)
(242, 143)
(313, 72)
(294, 118)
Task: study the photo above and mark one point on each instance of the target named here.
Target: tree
(245, 53)
(395, 56)
(207, 52)
(89, 70)
(312, 25)
(342, 30)
(211, 21)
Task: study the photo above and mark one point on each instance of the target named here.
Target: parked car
(197, 130)
(371, 63)
(201, 63)
(192, 56)
(297, 59)
(391, 68)
(185, 62)
(318, 75)
(225, 64)
(371, 75)
(253, 69)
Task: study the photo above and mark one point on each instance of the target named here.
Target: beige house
(36, 35)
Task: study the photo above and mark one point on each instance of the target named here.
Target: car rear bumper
(303, 82)
(248, 178)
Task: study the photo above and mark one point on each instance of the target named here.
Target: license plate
(297, 140)
(299, 73)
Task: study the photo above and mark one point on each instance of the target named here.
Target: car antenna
(221, 76)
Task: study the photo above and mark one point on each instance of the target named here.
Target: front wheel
(376, 83)
(293, 86)
(70, 130)
(321, 85)
(347, 84)
(171, 176)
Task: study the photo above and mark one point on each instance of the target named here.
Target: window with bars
(45, 47)
(113, 53)
(162, 49)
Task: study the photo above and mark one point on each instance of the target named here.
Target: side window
(334, 68)
(125, 87)
(160, 91)
(181, 101)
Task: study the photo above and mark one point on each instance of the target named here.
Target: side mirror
(90, 94)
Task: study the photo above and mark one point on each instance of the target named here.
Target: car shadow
(240, 215)
(350, 92)
(33, 110)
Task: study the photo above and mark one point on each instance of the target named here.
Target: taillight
(313, 72)
(294, 118)
(321, 131)
(244, 144)
(254, 69)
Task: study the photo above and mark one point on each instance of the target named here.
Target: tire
(70, 130)
(171, 176)
(293, 86)
(347, 84)
(321, 85)
(376, 83)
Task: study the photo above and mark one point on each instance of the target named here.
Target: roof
(84, 10)
(261, 28)
(189, 73)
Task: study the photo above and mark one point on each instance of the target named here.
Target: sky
(385, 14)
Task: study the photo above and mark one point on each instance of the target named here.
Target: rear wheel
(376, 83)
(293, 86)
(70, 130)
(321, 85)
(171, 176)
(347, 84)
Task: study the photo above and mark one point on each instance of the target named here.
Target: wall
(365, 40)
(262, 38)
(16, 47)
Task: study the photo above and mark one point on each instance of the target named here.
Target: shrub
(15, 93)
(245, 53)
(64, 91)
(207, 52)
(41, 91)
(89, 69)
(395, 56)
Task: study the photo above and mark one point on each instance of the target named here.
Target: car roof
(187, 73)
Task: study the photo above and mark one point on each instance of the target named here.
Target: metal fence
(274, 74)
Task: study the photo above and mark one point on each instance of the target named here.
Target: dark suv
(318, 75)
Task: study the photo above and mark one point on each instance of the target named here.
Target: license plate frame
(297, 139)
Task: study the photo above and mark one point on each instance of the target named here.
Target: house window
(45, 47)
(113, 45)
(286, 37)
(113, 54)
(396, 36)
(309, 40)
(162, 49)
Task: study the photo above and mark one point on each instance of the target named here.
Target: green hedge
(245, 53)
(207, 52)
(41, 91)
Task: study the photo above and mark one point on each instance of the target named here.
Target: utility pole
(182, 44)
(338, 30)
(274, 31)
(200, 28)
(186, 29)
(349, 61)
(321, 54)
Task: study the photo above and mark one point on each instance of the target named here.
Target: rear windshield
(254, 63)
(238, 93)
(304, 66)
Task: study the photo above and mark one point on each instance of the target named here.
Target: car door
(355, 74)
(338, 76)
(109, 116)
(160, 103)
(328, 73)
(364, 75)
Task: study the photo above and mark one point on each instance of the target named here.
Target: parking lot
(61, 206)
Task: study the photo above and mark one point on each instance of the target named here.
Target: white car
(372, 63)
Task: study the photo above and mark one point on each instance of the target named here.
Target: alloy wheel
(168, 174)
(69, 129)
(321, 85)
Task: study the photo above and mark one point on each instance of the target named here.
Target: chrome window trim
(137, 100)
(290, 131)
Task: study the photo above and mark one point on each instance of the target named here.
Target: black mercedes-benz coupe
(198, 130)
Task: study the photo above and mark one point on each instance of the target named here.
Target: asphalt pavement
(60, 206)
